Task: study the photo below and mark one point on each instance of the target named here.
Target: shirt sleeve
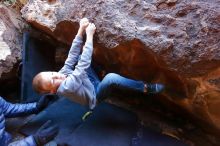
(74, 81)
(13, 110)
(72, 56)
(85, 60)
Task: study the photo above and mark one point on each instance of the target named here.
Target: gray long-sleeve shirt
(77, 85)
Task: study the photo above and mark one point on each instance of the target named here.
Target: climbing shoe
(153, 88)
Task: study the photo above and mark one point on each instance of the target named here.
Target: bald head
(47, 82)
(39, 83)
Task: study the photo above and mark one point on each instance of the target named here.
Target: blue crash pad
(107, 126)
(37, 56)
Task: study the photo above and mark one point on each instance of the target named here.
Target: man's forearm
(73, 54)
(80, 32)
(85, 59)
(82, 26)
(76, 45)
(89, 39)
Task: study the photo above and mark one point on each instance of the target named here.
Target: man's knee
(111, 78)
(105, 87)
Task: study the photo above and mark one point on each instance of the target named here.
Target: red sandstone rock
(169, 41)
(10, 40)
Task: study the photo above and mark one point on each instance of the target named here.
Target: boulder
(173, 42)
(10, 41)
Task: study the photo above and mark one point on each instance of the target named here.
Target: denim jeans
(103, 88)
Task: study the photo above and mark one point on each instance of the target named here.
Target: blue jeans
(103, 88)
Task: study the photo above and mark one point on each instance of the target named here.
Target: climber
(46, 133)
(78, 81)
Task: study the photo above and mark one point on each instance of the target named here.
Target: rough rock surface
(170, 41)
(10, 41)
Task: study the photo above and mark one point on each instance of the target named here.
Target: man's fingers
(91, 26)
(84, 22)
